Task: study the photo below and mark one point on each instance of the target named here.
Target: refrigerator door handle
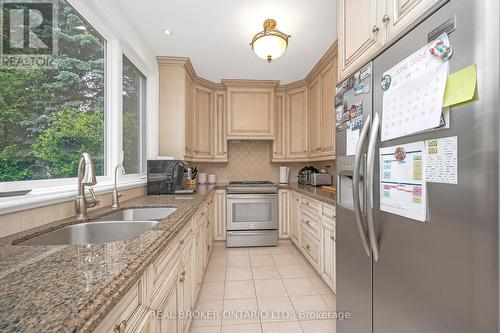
(369, 182)
(355, 186)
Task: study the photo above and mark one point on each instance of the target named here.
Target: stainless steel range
(252, 213)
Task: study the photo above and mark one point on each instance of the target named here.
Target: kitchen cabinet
(279, 142)
(250, 109)
(169, 285)
(315, 117)
(295, 214)
(283, 214)
(297, 128)
(328, 83)
(327, 251)
(365, 26)
(203, 135)
(312, 230)
(220, 215)
(220, 153)
(190, 116)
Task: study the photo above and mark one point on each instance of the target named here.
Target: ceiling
(215, 34)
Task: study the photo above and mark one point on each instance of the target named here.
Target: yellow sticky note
(460, 86)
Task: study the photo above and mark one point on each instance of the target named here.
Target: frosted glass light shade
(269, 44)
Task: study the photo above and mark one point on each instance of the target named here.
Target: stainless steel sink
(92, 233)
(139, 214)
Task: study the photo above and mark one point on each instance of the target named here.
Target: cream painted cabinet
(202, 123)
(190, 116)
(315, 117)
(327, 251)
(328, 82)
(359, 31)
(284, 214)
(279, 142)
(250, 110)
(220, 153)
(295, 214)
(364, 26)
(219, 224)
(297, 124)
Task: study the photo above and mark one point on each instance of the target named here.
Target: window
(48, 117)
(134, 125)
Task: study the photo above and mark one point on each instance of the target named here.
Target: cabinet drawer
(311, 204)
(328, 211)
(129, 311)
(311, 221)
(310, 244)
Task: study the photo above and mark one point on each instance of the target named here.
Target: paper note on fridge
(413, 99)
(352, 138)
(460, 86)
(441, 160)
(402, 181)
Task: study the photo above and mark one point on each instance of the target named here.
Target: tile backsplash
(252, 161)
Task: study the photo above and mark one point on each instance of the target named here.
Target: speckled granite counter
(71, 288)
(312, 191)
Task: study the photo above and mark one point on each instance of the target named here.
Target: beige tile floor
(278, 283)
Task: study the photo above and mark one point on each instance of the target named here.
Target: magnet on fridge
(440, 50)
(386, 82)
(400, 154)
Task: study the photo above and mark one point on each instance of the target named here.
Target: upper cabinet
(250, 109)
(203, 123)
(296, 121)
(279, 142)
(328, 83)
(364, 26)
(315, 117)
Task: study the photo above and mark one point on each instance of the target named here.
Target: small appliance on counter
(212, 178)
(202, 178)
(319, 179)
(284, 173)
(168, 177)
(305, 175)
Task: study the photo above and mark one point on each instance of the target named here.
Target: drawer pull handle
(120, 328)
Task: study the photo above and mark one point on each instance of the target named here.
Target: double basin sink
(120, 225)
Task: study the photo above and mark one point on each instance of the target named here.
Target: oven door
(252, 211)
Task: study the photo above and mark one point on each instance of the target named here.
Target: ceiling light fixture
(269, 44)
(167, 32)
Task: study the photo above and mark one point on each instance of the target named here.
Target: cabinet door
(220, 152)
(190, 130)
(203, 127)
(297, 124)
(295, 218)
(166, 304)
(250, 113)
(220, 215)
(327, 254)
(328, 82)
(284, 214)
(280, 123)
(186, 283)
(401, 13)
(315, 118)
(360, 32)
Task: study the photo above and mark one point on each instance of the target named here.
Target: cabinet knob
(183, 273)
(331, 237)
(375, 29)
(386, 19)
(308, 247)
(120, 328)
(181, 280)
(182, 241)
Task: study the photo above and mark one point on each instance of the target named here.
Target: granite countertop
(312, 191)
(71, 288)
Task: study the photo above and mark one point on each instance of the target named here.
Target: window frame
(115, 47)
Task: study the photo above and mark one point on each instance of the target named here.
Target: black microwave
(167, 177)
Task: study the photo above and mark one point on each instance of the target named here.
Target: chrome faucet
(86, 177)
(116, 196)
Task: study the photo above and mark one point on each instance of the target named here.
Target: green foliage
(71, 134)
(62, 108)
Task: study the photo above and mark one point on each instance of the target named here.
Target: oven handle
(252, 196)
(249, 233)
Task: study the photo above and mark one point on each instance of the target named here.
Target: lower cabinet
(167, 291)
(312, 230)
(219, 222)
(295, 214)
(284, 214)
(327, 251)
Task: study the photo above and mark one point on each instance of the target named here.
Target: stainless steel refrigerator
(396, 274)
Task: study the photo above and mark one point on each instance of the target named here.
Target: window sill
(48, 196)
